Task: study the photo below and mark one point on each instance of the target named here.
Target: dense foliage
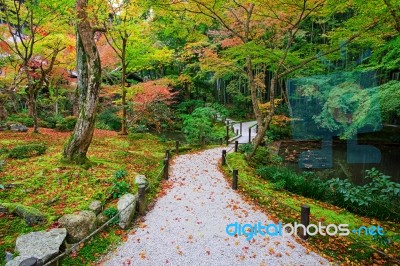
(379, 197)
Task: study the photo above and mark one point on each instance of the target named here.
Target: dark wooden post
(177, 147)
(166, 161)
(235, 179)
(236, 145)
(241, 124)
(221, 141)
(227, 140)
(249, 135)
(167, 154)
(223, 157)
(203, 141)
(142, 199)
(237, 132)
(227, 132)
(305, 220)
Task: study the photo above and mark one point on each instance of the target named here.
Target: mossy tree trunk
(89, 80)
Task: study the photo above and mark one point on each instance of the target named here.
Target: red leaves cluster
(154, 91)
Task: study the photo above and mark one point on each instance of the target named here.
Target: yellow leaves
(265, 107)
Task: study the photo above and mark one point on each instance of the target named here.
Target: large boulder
(31, 215)
(78, 225)
(96, 206)
(18, 127)
(41, 245)
(126, 205)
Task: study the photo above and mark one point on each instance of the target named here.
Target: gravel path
(187, 225)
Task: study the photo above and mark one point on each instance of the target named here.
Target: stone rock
(18, 127)
(31, 215)
(41, 245)
(101, 219)
(96, 206)
(78, 225)
(126, 204)
(9, 256)
(141, 181)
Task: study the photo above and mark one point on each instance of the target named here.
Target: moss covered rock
(31, 215)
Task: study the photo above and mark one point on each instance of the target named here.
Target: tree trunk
(32, 107)
(30, 91)
(123, 126)
(89, 79)
(264, 125)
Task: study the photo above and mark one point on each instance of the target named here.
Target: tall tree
(89, 80)
(28, 26)
(121, 25)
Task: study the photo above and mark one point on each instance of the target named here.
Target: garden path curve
(187, 225)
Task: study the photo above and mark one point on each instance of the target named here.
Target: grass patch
(55, 188)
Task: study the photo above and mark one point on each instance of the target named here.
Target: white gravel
(187, 225)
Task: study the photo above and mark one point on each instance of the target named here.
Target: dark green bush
(187, 107)
(27, 151)
(110, 213)
(109, 120)
(246, 148)
(50, 121)
(120, 173)
(66, 124)
(22, 118)
(379, 198)
(119, 188)
(276, 132)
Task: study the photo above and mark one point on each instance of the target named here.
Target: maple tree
(151, 101)
(29, 26)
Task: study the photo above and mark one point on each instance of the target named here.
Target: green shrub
(246, 148)
(110, 213)
(109, 120)
(276, 132)
(379, 198)
(119, 188)
(51, 121)
(187, 107)
(198, 124)
(120, 173)
(27, 151)
(66, 124)
(22, 118)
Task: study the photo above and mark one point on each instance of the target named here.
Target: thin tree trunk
(123, 78)
(89, 79)
(264, 125)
